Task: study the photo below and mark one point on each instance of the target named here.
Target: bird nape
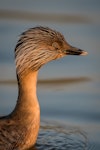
(36, 47)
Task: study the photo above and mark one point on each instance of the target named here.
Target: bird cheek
(60, 55)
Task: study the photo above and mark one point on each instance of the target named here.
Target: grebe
(36, 47)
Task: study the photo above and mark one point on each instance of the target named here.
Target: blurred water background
(69, 88)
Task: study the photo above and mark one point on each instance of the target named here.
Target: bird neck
(27, 104)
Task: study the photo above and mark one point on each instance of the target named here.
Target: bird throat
(27, 104)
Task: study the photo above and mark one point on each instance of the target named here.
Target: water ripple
(29, 16)
(69, 80)
(53, 137)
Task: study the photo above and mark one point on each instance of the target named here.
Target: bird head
(39, 45)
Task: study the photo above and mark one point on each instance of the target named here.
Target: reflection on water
(73, 94)
(53, 82)
(43, 16)
(56, 137)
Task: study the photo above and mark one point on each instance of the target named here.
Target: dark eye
(55, 45)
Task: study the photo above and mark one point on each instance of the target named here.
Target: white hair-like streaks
(33, 49)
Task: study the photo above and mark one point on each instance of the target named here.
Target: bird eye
(55, 45)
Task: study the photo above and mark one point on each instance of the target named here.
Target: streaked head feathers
(36, 47)
(39, 45)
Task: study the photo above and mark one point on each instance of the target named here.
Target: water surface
(69, 88)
